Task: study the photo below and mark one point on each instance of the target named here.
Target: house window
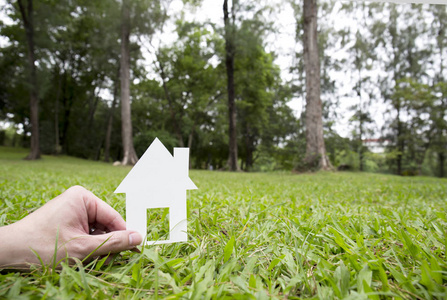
(158, 224)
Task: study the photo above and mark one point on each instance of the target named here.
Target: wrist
(12, 253)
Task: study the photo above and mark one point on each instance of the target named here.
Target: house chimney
(181, 157)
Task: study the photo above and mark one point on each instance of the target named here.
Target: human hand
(82, 223)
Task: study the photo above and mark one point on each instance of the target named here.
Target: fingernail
(134, 239)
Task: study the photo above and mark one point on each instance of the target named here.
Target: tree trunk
(57, 146)
(400, 142)
(110, 125)
(98, 151)
(442, 146)
(441, 164)
(361, 158)
(191, 134)
(249, 148)
(361, 116)
(24, 140)
(130, 156)
(315, 157)
(28, 21)
(229, 63)
(93, 105)
(67, 100)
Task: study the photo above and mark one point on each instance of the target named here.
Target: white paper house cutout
(158, 180)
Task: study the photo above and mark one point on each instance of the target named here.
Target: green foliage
(143, 139)
(418, 103)
(264, 119)
(251, 235)
(76, 46)
(395, 56)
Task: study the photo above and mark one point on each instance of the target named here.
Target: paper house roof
(157, 169)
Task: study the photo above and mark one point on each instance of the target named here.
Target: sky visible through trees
(284, 44)
(281, 42)
(382, 65)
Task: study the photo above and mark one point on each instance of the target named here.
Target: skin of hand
(82, 223)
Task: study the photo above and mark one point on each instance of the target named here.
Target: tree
(229, 63)
(415, 101)
(109, 127)
(145, 16)
(191, 85)
(130, 156)
(362, 53)
(84, 61)
(28, 23)
(439, 127)
(72, 60)
(259, 93)
(316, 157)
(404, 60)
(14, 94)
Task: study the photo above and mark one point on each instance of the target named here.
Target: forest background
(66, 58)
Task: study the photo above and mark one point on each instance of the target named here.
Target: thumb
(112, 242)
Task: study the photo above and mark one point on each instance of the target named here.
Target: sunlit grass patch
(157, 220)
(255, 235)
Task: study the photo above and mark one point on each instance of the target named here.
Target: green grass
(251, 236)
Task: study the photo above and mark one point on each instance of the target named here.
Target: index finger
(100, 212)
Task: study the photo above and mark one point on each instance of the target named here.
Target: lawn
(251, 236)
